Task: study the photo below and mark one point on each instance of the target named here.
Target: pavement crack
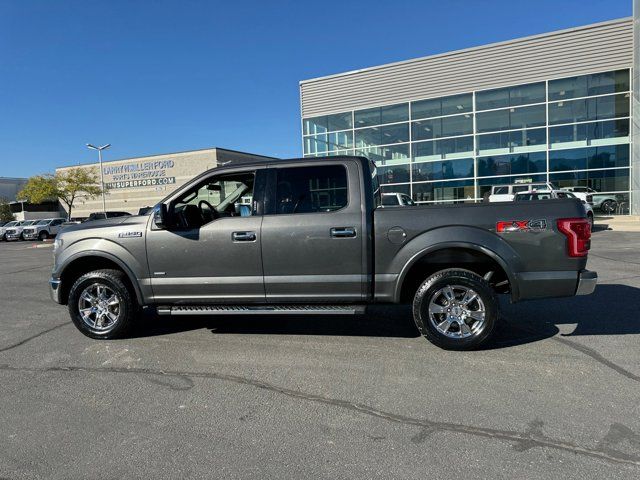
(590, 352)
(520, 441)
(48, 265)
(28, 339)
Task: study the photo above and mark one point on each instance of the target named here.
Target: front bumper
(587, 281)
(30, 236)
(54, 289)
(13, 236)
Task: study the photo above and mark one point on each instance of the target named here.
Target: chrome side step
(262, 310)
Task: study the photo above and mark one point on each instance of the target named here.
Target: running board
(262, 310)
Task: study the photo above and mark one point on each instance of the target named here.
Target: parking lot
(557, 394)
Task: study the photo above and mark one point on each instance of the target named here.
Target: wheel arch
(82, 263)
(433, 254)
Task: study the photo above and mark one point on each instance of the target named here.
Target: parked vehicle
(607, 203)
(395, 199)
(5, 227)
(15, 232)
(554, 194)
(43, 229)
(315, 242)
(505, 193)
(105, 215)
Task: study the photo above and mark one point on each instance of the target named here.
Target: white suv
(505, 193)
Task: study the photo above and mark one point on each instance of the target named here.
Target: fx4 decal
(521, 225)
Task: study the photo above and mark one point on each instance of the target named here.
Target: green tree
(67, 185)
(5, 211)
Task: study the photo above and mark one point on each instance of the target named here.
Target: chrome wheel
(99, 307)
(457, 311)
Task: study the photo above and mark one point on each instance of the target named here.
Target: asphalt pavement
(556, 395)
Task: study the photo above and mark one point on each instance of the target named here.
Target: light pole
(99, 149)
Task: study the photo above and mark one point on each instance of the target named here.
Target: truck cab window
(311, 189)
(226, 196)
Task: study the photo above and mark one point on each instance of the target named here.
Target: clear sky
(163, 76)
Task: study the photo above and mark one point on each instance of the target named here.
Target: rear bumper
(54, 289)
(555, 284)
(587, 281)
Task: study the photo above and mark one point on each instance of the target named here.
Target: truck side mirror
(161, 216)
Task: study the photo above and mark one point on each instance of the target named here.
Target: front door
(312, 240)
(211, 252)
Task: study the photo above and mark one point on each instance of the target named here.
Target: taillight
(578, 233)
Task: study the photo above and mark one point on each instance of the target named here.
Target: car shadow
(597, 314)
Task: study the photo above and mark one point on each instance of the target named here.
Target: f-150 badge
(521, 225)
(129, 234)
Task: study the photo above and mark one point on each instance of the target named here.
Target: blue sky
(164, 76)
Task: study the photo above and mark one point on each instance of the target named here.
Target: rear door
(312, 248)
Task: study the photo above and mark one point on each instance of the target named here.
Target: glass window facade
(571, 131)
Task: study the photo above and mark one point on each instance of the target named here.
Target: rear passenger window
(500, 190)
(311, 189)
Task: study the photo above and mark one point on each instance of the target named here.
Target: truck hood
(109, 222)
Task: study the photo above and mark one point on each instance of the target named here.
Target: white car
(5, 227)
(394, 199)
(43, 229)
(549, 194)
(15, 232)
(505, 193)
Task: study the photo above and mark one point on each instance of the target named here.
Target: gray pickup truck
(307, 236)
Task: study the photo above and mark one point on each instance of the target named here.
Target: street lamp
(99, 149)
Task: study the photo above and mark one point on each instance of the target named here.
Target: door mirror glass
(160, 216)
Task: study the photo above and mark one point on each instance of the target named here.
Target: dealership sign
(139, 174)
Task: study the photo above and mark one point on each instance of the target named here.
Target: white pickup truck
(43, 229)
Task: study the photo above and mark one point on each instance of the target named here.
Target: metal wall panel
(593, 48)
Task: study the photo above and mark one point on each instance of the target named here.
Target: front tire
(43, 236)
(101, 305)
(609, 206)
(455, 309)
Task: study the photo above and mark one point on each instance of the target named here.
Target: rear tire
(101, 305)
(455, 309)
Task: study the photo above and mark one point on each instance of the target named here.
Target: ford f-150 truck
(307, 236)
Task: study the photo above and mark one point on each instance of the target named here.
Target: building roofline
(13, 178)
(168, 153)
(469, 49)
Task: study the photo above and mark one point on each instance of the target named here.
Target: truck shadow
(610, 310)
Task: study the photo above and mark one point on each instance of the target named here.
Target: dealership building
(444, 128)
(133, 183)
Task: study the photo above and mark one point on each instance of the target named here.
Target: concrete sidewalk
(622, 223)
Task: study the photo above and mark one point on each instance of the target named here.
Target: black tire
(114, 281)
(608, 206)
(431, 289)
(42, 236)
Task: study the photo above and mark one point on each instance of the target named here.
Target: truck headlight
(57, 245)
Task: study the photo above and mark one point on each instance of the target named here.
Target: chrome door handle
(243, 236)
(343, 232)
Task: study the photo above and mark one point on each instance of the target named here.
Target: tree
(5, 211)
(67, 185)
